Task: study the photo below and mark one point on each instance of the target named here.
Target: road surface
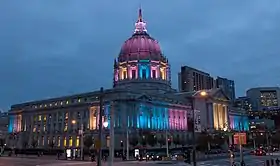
(19, 161)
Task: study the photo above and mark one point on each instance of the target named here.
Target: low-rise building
(3, 126)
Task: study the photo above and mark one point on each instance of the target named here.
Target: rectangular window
(154, 74)
(65, 126)
(124, 75)
(58, 141)
(64, 142)
(43, 141)
(77, 141)
(70, 141)
(133, 74)
(144, 73)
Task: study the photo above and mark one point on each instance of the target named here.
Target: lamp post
(112, 135)
(166, 143)
(100, 126)
(201, 94)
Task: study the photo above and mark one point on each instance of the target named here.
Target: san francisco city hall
(141, 97)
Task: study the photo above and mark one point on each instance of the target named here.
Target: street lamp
(105, 124)
(73, 121)
(203, 93)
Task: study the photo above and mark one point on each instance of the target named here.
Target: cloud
(53, 48)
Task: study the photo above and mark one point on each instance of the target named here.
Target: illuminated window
(162, 74)
(107, 141)
(44, 128)
(45, 117)
(133, 74)
(77, 141)
(67, 102)
(66, 115)
(48, 140)
(61, 103)
(43, 141)
(154, 74)
(79, 100)
(64, 142)
(40, 106)
(40, 117)
(124, 74)
(55, 104)
(34, 128)
(70, 141)
(58, 141)
(45, 105)
(50, 105)
(144, 75)
(65, 126)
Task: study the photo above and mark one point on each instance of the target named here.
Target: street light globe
(73, 122)
(105, 124)
(203, 93)
(225, 129)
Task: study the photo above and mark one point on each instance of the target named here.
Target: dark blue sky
(58, 47)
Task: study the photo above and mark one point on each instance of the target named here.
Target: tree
(275, 139)
(88, 141)
(218, 139)
(51, 144)
(2, 142)
(34, 143)
(24, 144)
(176, 140)
(143, 140)
(151, 139)
(133, 141)
(260, 139)
(203, 140)
(183, 142)
(161, 141)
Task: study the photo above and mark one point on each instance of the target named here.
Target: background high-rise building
(227, 86)
(243, 103)
(264, 98)
(191, 79)
(265, 103)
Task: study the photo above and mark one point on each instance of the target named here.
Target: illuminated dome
(140, 45)
(141, 64)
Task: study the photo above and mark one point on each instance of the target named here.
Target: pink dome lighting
(140, 45)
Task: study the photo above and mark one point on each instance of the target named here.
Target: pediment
(144, 97)
(219, 95)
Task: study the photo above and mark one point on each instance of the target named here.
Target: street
(20, 161)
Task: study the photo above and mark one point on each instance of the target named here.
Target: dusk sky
(52, 48)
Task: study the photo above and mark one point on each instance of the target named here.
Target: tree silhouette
(133, 141)
(176, 141)
(34, 143)
(151, 139)
(88, 141)
(51, 144)
(203, 140)
(143, 141)
(2, 142)
(161, 141)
